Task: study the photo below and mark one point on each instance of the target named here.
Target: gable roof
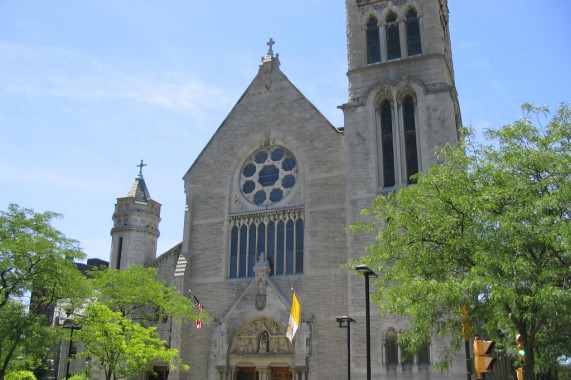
(267, 79)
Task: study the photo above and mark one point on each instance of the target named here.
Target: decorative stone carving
(274, 215)
(367, 2)
(261, 336)
(263, 342)
(262, 270)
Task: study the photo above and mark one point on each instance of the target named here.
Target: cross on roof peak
(140, 166)
(271, 43)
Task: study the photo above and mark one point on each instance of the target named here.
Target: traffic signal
(482, 363)
(520, 346)
(519, 374)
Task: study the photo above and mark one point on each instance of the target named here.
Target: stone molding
(267, 216)
(133, 228)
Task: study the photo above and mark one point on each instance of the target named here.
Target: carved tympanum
(261, 336)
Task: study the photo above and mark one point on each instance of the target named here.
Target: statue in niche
(261, 268)
(264, 342)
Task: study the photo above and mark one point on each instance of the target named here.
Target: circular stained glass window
(268, 175)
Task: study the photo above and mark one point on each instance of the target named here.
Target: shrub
(20, 375)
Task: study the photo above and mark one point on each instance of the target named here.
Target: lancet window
(387, 143)
(391, 348)
(393, 38)
(395, 354)
(411, 152)
(398, 157)
(373, 41)
(413, 33)
(277, 234)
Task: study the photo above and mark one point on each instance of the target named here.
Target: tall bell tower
(135, 227)
(402, 105)
(402, 96)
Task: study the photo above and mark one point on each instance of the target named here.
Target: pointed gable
(271, 102)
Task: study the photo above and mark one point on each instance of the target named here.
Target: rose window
(268, 175)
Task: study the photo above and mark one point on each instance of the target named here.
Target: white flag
(293, 324)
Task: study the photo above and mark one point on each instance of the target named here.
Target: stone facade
(269, 199)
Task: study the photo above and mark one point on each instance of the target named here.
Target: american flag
(198, 322)
(200, 307)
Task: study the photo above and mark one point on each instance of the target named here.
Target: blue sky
(89, 88)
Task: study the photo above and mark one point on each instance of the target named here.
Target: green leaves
(136, 293)
(121, 327)
(488, 229)
(35, 257)
(120, 346)
(35, 261)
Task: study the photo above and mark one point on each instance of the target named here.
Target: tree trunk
(529, 362)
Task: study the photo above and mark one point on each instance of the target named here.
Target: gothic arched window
(413, 33)
(289, 247)
(424, 355)
(373, 41)
(271, 246)
(299, 246)
(280, 239)
(393, 39)
(280, 249)
(251, 250)
(391, 348)
(410, 148)
(387, 143)
(406, 358)
(243, 248)
(234, 252)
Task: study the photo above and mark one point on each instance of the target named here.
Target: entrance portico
(260, 351)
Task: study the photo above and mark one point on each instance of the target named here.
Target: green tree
(119, 346)
(25, 338)
(488, 230)
(121, 329)
(35, 258)
(137, 294)
(35, 264)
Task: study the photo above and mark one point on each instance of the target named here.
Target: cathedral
(269, 198)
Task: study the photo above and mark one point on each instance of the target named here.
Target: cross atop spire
(271, 43)
(140, 166)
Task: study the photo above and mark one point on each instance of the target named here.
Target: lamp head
(365, 271)
(344, 319)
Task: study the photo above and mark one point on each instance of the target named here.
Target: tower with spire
(135, 226)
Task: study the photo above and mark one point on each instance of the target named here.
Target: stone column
(383, 40)
(264, 373)
(222, 373)
(234, 372)
(299, 373)
(401, 22)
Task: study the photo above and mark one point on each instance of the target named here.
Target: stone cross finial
(271, 43)
(140, 166)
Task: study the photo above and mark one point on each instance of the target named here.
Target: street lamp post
(365, 271)
(71, 327)
(341, 321)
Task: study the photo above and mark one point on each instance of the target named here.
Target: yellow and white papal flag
(293, 324)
